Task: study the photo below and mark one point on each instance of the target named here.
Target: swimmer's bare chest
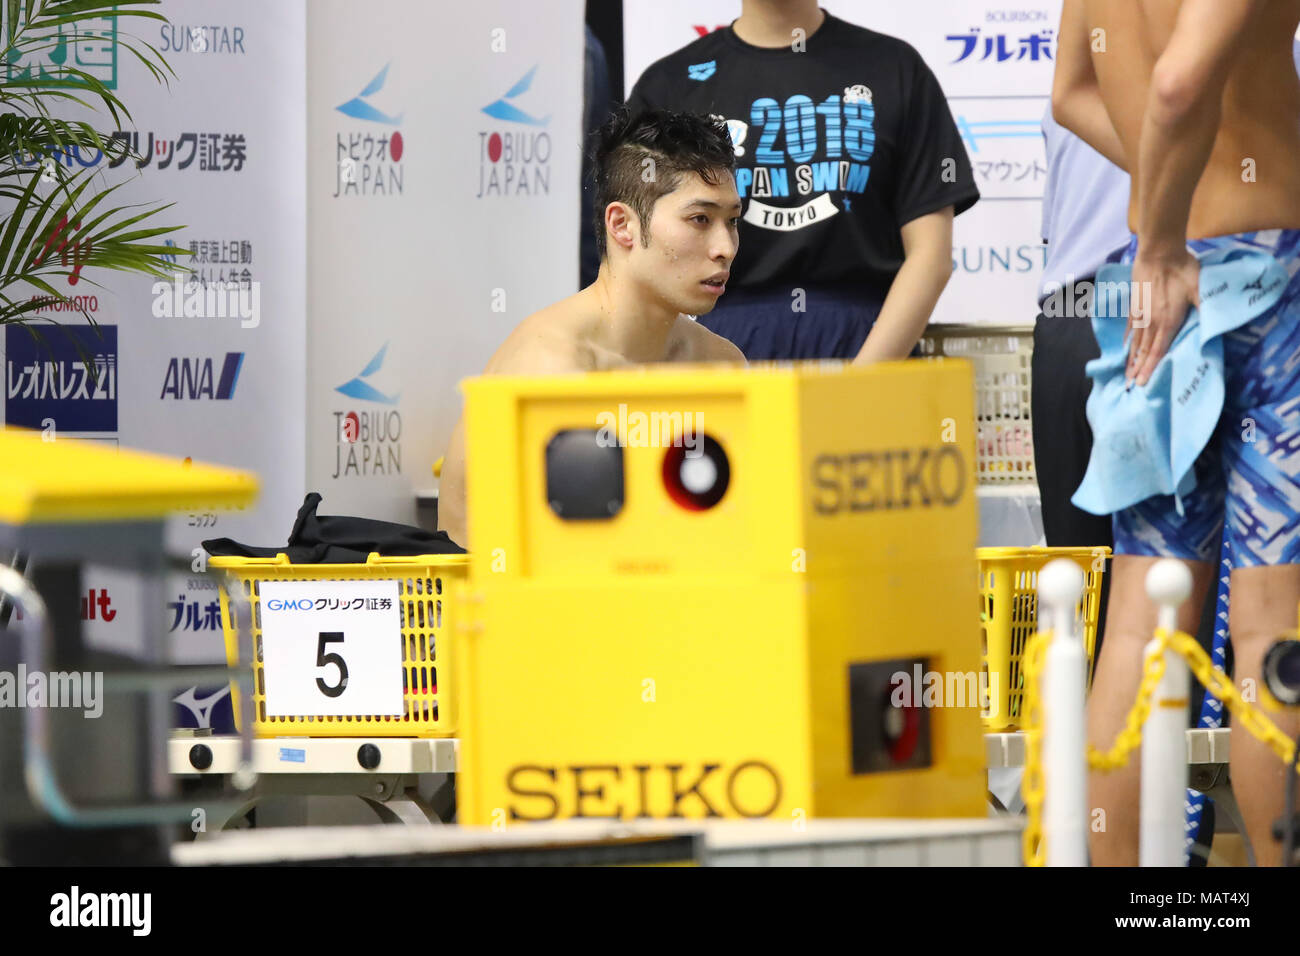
(681, 347)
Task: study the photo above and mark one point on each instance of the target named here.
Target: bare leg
(1262, 607)
(1130, 624)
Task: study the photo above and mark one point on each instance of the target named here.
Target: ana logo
(193, 378)
(514, 163)
(359, 388)
(503, 110)
(68, 376)
(702, 71)
(369, 164)
(368, 443)
(857, 94)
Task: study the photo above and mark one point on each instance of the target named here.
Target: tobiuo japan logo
(359, 387)
(360, 108)
(702, 71)
(514, 162)
(67, 377)
(368, 442)
(503, 109)
(369, 161)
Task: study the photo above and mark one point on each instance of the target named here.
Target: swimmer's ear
(622, 225)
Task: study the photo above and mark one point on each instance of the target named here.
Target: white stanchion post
(1065, 676)
(1164, 739)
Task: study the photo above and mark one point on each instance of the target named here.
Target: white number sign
(331, 648)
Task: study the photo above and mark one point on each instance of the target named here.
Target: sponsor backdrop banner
(443, 204)
(225, 141)
(444, 156)
(995, 62)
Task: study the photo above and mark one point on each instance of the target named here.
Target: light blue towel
(1146, 439)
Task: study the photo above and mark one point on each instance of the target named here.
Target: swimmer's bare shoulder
(548, 342)
(695, 343)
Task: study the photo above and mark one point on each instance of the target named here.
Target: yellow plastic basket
(425, 586)
(1009, 617)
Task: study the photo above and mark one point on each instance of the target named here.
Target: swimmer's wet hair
(678, 143)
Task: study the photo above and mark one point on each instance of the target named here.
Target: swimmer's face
(693, 239)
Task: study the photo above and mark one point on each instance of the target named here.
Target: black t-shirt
(840, 145)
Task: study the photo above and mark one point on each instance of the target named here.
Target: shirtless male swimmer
(1199, 100)
(668, 213)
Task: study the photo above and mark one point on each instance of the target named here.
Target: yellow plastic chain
(1031, 784)
(1215, 681)
(1218, 683)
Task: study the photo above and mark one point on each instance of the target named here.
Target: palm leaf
(48, 239)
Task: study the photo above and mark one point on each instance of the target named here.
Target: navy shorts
(768, 324)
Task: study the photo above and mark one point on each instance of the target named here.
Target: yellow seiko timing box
(692, 587)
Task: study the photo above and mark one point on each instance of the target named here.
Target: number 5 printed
(322, 659)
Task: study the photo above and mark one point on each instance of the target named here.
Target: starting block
(691, 586)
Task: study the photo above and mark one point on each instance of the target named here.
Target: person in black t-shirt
(851, 170)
